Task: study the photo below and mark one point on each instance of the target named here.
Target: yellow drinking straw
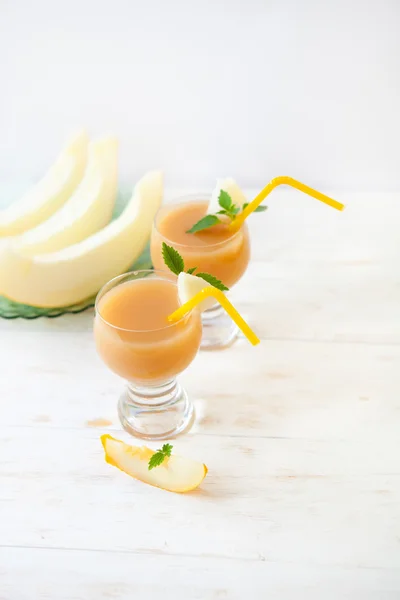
(283, 180)
(224, 302)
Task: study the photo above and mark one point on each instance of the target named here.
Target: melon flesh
(88, 210)
(230, 186)
(49, 194)
(176, 474)
(78, 272)
(190, 285)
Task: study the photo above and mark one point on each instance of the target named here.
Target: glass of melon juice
(135, 340)
(217, 250)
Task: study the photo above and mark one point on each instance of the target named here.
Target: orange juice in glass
(216, 250)
(136, 341)
(211, 235)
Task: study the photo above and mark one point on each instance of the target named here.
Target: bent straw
(283, 180)
(224, 302)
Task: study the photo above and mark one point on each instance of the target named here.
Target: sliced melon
(189, 286)
(175, 474)
(79, 271)
(50, 193)
(230, 186)
(87, 210)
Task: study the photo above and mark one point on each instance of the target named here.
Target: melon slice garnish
(77, 272)
(189, 286)
(88, 210)
(175, 474)
(51, 192)
(230, 186)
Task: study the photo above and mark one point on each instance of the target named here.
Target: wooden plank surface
(301, 436)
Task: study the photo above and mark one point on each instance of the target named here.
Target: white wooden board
(301, 436)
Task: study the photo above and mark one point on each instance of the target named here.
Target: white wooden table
(301, 436)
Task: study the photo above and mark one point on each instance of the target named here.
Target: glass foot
(219, 331)
(155, 413)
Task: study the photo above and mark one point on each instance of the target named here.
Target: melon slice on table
(50, 193)
(78, 272)
(87, 210)
(230, 186)
(175, 474)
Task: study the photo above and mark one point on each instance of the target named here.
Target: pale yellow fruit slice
(50, 193)
(189, 286)
(88, 210)
(79, 271)
(175, 474)
(230, 186)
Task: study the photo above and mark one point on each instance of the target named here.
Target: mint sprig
(205, 223)
(213, 281)
(175, 263)
(228, 208)
(260, 208)
(158, 457)
(172, 259)
(225, 201)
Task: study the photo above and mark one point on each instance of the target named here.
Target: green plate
(12, 310)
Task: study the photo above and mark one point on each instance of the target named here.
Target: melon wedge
(50, 193)
(87, 210)
(75, 273)
(175, 474)
(230, 186)
(189, 286)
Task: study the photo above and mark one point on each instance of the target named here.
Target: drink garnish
(234, 215)
(172, 259)
(175, 263)
(208, 292)
(159, 456)
(228, 209)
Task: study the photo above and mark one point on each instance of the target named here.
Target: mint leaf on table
(213, 281)
(204, 223)
(158, 457)
(191, 271)
(172, 259)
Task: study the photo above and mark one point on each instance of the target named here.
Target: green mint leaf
(260, 208)
(213, 281)
(167, 449)
(224, 199)
(191, 271)
(172, 259)
(229, 213)
(204, 223)
(158, 457)
(156, 460)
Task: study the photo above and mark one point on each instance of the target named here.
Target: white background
(251, 89)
